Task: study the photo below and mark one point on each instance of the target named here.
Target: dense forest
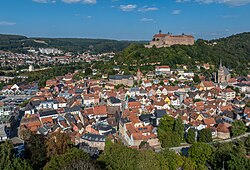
(234, 51)
(17, 43)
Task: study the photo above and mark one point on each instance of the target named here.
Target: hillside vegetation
(16, 43)
(234, 51)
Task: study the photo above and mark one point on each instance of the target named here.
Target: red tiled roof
(160, 35)
(222, 128)
(100, 110)
(209, 121)
(135, 104)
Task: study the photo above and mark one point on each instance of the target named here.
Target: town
(127, 107)
(54, 101)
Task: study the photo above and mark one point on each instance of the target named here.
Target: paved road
(181, 148)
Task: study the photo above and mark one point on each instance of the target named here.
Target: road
(187, 146)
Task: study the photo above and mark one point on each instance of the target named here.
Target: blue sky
(124, 19)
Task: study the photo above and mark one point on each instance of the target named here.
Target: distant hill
(234, 51)
(17, 43)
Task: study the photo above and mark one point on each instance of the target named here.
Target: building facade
(223, 74)
(167, 40)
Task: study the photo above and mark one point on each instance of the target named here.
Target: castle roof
(160, 35)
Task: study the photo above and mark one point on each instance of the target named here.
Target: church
(223, 74)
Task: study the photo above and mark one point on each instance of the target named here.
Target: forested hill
(16, 43)
(234, 51)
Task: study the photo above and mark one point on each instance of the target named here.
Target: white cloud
(227, 2)
(176, 12)
(80, 1)
(229, 16)
(128, 8)
(44, 1)
(179, 1)
(89, 17)
(146, 19)
(146, 9)
(6, 23)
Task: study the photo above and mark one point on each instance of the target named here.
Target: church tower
(223, 74)
(139, 76)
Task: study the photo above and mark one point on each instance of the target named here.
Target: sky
(124, 19)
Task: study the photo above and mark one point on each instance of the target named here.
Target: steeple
(159, 31)
(220, 63)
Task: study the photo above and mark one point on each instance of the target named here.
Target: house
(223, 131)
(146, 83)
(134, 105)
(94, 140)
(12, 90)
(207, 85)
(48, 114)
(243, 87)
(160, 104)
(5, 110)
(209, 122)
(32, 123)
(126, 80)
(162, 70)
(228, 94)
(104, 129)
(135, 135)
(134, 91)
(158, 114)
(90, 99)
(113, 101)
(35, 105)
(100, 111)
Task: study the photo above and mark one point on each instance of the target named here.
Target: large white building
(162, 70)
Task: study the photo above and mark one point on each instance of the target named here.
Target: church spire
(220, 63)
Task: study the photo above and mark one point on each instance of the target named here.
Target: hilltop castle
(167, 40)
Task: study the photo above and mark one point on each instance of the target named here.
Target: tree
(8, 160)
(148, 159)
(165, 130)
(170, 131)
(73, 159)
(18, 163)
(179, 127)
(196, 79)
(205, 135)
(247, 144)
(238, 128)
(200, 153)
(7, 154)
(191, 135)
(57, 144)
(24, 134)
(144, 146)
(117, 156)
(188, 164)
(174, 160)
(88, 71)
(237, 162)
(35, 151)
